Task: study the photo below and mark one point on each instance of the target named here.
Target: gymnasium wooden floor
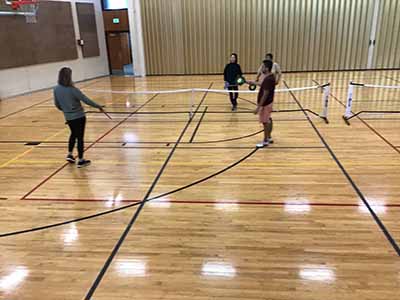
(314, 216)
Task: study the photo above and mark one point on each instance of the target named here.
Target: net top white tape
(376, 86)
(382, 86)
(140, 92)
(201, 90)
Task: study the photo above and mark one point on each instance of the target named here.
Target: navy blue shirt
(232, 72)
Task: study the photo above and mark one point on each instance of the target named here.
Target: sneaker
(262, 144)
(83, 163)
(70, 158)
(270, 141)
(234, 108)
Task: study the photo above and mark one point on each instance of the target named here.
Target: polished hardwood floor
(179, 208)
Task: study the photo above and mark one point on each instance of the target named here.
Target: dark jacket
(232, 72)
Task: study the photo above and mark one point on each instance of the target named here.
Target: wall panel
(304, 35)
(88, 29)
(387, 49)
(51, 39)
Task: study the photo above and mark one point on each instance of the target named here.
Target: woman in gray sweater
(67, 98)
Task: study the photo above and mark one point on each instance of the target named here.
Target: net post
(349, 102)
(325, 103)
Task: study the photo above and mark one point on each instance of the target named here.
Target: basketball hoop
(27, 8)
(16, 5)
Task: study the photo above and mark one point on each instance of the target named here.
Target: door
(119, 53)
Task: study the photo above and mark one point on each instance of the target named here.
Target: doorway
(119, 53)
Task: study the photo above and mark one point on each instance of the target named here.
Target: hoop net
(27, 8)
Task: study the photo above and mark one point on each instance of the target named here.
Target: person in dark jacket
(231, 73)
(67, 98)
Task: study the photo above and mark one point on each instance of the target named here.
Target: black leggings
(77, 133)
(233, 96)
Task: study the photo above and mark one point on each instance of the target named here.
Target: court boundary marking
(87, 148)
(198, 125)
(24, 109)
(369, 126)
(127, 206)
(139, 142)
(125, 233)
(357, 205)
(361, 196)
(193, 183)
(178, 147)
(191, 147)
(201, 180)
(240, 202)
(130, 205)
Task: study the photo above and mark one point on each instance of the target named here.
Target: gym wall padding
(51, 39)
(88, 29)
(387, 50)
(196, 37)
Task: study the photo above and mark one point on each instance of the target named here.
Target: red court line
(79, 200)
(45, 180)
(261, 203)
(66, 164)
(87, 148)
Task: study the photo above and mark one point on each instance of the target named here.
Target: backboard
(25, 8)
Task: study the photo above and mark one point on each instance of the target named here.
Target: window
(115, 4)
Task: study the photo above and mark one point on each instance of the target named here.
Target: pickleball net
(373, 99)
(120, 104)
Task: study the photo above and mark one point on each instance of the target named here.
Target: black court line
(166, 146)
(229, 139)
(349, 178)
(87, 148)
(166, 142)
(146, 142)
(136, 120)
(198, 125)
(379, 135)
(34, 229)
(252, 147)
(203, 179)
(136, 214)
(247, 100)
(24, 109)
(177, 106)
(183, 121)
(240, 111)
(367, 124)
